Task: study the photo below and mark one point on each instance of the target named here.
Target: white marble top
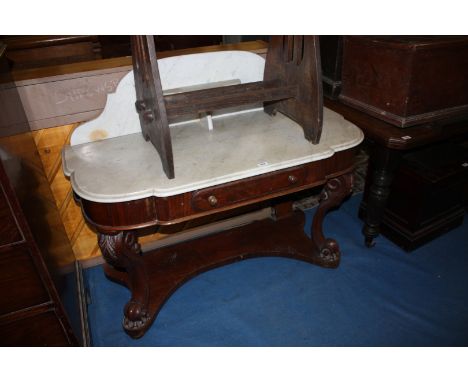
(109, 161)
(242, 145)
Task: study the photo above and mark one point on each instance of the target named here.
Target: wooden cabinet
(406, 80)
(31, 313)
(32, 242)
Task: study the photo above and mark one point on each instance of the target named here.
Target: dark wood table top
(394, 137)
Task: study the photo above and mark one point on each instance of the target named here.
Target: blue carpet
(377, 297)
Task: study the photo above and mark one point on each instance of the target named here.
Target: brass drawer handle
(212, 200)
(292, 179)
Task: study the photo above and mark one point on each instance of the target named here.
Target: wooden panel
(47, 103)
(20, 277)
(42, 330)
(36, 51)
(34, 57)
(49, 144)
(406, 80)
(206, 100)
(225, 195)
(259, 47)
(31, 185)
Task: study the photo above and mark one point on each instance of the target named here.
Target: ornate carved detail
(332, 195)
(116, 248)
(338, 188)
(136, 316)
(330, 252)
(122, 251)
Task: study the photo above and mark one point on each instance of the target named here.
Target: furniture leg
(334, 192)
(125, 264)
(154, 276)
(385, 162)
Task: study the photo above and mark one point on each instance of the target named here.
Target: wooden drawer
(20, 282)
(241, 191)
(41, 330)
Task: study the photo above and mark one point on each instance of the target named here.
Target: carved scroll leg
(122, 251)
(332, 195)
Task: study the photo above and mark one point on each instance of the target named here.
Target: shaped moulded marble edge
(125, 114)
(356, 136)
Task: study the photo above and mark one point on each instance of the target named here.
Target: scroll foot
(123, 253)
(332, 195)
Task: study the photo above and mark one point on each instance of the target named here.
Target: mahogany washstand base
(153, 276)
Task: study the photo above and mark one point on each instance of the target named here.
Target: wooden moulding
(406, 80)
(175, 209)
(394, 137)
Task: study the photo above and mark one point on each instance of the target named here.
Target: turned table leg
(123, 256)
(385, 162)
(333, 193)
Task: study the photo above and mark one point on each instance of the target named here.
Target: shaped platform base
(153, 276)
(168, 268)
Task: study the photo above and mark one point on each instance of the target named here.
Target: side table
(388, 145)
(247, 158)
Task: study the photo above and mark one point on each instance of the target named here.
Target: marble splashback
(120, 117)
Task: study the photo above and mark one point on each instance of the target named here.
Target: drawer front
(244, 190)
(41, 330)
(20, 283)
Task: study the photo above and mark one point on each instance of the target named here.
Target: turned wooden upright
(292, 87)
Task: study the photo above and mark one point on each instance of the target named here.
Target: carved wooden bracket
(332, 195)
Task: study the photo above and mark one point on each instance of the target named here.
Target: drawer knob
(212, 200)
(292, 179)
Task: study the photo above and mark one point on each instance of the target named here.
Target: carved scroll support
(123, 253)
(152, 278)
(334, 192)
